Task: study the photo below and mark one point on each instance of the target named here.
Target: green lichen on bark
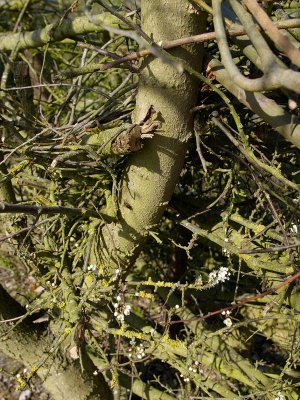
(150, 176)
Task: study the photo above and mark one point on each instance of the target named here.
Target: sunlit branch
(35, 210)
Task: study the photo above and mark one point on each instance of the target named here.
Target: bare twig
(250, 156)
(265, 82)
(51, 33)
(23, 230)
(270, 249)
(28, 209)
(281, 42)
(237, 30)
(276, 74)
(243, 302)
(12, 319)
(126, 21)
(287, 124)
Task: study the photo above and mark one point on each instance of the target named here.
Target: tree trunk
(150, 177)
(146, 186)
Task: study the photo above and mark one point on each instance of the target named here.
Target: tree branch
(281, 42)
(28, 209)
(276, 74)
(14, 5)
(285, 123)
(53, 33)
(268, 81)
(237, 30)
(28, 344)
(244, 301)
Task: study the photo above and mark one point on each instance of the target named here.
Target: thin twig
(12, 319)
(28, 209)
(281, 42)
(126, 21)
(243, 302)
(270, 249)
(23, 230)
(72, 85)
(202, 38)
(270, 80)
(250, 156)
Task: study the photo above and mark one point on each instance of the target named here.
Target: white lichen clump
(227, 321)
(121, 310)
(92, 267)
(116, 274)
(279, 396)
(218, 276)
(136, 351)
